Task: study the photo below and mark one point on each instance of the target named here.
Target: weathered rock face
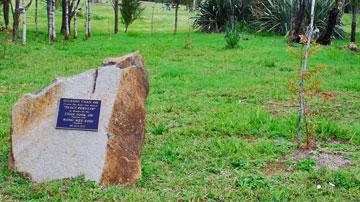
(111, 155)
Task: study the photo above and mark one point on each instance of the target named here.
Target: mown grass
(213, 130)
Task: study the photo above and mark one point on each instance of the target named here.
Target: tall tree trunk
(352, 45)
(51, 20)
(232, 16)
(75, 19)
(36, 19)
(48, 8)
(116, 9)
(353, 25)
(67, 30)
(302, 114)
(325, 39)
(24, 23)
(297, 22)
(347, 6)
(87, 22)
(176, 16)
(72, 5)
(63, 17)
(6, 10)
(16, 17)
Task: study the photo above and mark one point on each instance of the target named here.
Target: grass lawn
(221, 123)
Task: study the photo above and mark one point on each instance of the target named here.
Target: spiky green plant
(322, 10)
(213, 14)
(276, 15)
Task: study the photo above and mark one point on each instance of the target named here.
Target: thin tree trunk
(16, 17)
(72, 5)
(75, 19)
(333, 16)
(67, 30)
(48, 6)
(6, 9)
(87, 23)
(69, 16)
(194, 5)
(36, 19)
(297, 22)
(53, 20)
(352, 45)
(116, 9)
(176, 16)
(24, 22)
(302, 114)
(353, 25)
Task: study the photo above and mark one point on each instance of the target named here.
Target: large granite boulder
(108, 155)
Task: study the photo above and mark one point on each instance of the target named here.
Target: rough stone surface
(109, 156)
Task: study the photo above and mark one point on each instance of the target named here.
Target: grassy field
(221, 123)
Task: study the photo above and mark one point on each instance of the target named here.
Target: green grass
(212, 132)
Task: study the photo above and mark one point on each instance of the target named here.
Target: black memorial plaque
(78, 114)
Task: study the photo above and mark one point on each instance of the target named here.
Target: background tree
(48, 9)
(87, 21)
(63, 16)
(76, 4)
(67, 22)
(177, 2)
(297, 22)
(130, 11)
(116, 15)
(354, 7)
(51, 20)
(53, 17)
(325, 38)
(36, 19)
(67, 16)
(6, 11)
(24, 22)
(16, 16)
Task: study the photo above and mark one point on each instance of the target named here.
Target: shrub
(213, 14)
(130, 11)
(188, 44)
(276, 15)
(232, 35)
